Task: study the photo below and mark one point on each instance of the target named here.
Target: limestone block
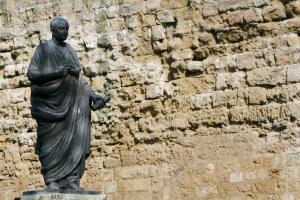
(287, 196)
(240, 114)
(177, 69)
(236, 80)
(160, 46)
(90, 42)
(209, 117)
(221, 81)
(9, 71)
(180, 43)
(259, 3)
(185, 54)
(148, 20)
(165, 16)
(195, 66)
(179, 121)
(183, 27)
(224, 98)
(130, 9)
(61, 196)
(5, 59)
(126, 185)
(12, 96)
(203, 38)
(236, 177)
(94, 69)
(113, 11)
(253, 15)
(27, 138)
(8, 125)
(107, 39)
(157, 33)
(202, 101)
(110, 186)
(293, 73)
(267, 76)
(275, 11)
(154, 91)
(225, 5)
(20, 42)
(245, 61)
(281, 94)
(112, 161)
(179, 3)
(133, 21)
(136, 73)
(201, 192)
(293, 8)
(34, 40)
(153, 5)
(293, 91)
(235, 17)
(209, 9)
(257, 95)
(255, 114)
(98, 83)
(142, 184)
(6, 45)
(294, 108)
(127, 172)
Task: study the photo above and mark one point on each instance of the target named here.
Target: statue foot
(74, 186)
(52, 186)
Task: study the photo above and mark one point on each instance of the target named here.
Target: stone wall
(206, 96)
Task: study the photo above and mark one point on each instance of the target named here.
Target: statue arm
(87, 87)
(35, 76)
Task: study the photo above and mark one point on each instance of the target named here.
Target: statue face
(61, 30)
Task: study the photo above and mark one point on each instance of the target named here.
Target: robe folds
(61, 108)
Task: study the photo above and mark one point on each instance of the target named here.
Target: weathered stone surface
(267, 76)
(205, 96)
(61, 196)
(158, 32)
(275, 11)
(224, 5)
(113, 11)
(257, 95)
(293, 73)
(195, 66)
(209, 10)
(165, 16)
(245, 61)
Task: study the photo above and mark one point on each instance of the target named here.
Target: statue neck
(57, 42)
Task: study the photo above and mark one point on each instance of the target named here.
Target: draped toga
(61, 108)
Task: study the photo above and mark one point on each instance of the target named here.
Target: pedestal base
(62, 195)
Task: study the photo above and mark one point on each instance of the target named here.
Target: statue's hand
(64, 72)
(74, 71)
(99, 102)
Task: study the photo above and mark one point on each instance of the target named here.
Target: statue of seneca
(61, 104)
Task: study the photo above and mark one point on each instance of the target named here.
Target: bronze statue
(61, 104)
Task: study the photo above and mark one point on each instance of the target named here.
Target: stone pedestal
(62, 195)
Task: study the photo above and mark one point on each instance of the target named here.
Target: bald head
(58, 21)
(59, 28)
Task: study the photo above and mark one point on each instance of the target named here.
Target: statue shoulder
(43, 47)
(69, 46)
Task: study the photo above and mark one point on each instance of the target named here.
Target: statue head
(59, 28)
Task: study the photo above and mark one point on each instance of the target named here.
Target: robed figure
(61, 104)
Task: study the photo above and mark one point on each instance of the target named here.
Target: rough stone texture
(205, 96)
(62, 196)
